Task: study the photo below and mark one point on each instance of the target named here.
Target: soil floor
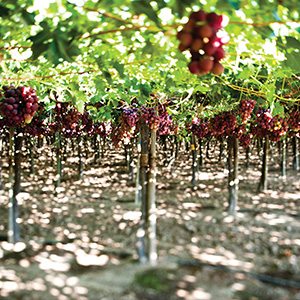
(79, 241)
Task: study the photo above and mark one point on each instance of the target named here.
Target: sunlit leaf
(278, 109)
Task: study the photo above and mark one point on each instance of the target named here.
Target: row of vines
(151, 79)
(138, 130)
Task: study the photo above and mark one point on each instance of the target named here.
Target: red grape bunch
(200, 128)
(264, 118)
(71, 123)
(267, 125)
(223, 124)
(150, 116)
(245, 140)
(245, 109)
(278, 128)
(262, 124)
(38, 126)
(240, 130)
(294, 121)
(18, 105)
(166, 125)
(202, 36)
(102, 129)
(125, 127)
(67, 120)
(129, 117)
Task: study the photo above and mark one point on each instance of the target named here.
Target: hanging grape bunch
(203, 37)
(294, 121)
(18, 105)
(150, 116)
(246, 108)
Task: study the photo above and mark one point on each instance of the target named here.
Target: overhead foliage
(107, 51)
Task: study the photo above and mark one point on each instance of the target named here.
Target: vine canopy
(120, 50)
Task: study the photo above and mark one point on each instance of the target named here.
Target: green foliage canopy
(107, 51)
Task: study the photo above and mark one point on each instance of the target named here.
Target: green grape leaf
(79, 104)
(38, 48)
(270, 90)
(145, 89)
(293, 61)
(62, 45)
(169, 83)
(4, 11)
(236, 4)
(202, 88)
(181, 5)
(99, 84)
(144, 7)
(52, 53)
(278, 109)
(107, 76)
(119, 67)
(291, 42)
(265, 32)
(27, 17)
(246, 73)
(149, 48)
(41, 37)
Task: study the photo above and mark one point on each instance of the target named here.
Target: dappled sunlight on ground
(79, 240)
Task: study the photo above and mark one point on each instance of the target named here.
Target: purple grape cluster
(150, 116)
(279, 128)
(245, 140)
(130, 117)
(18, 105)
(166, 124)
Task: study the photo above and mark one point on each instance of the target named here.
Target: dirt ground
(80, 242)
